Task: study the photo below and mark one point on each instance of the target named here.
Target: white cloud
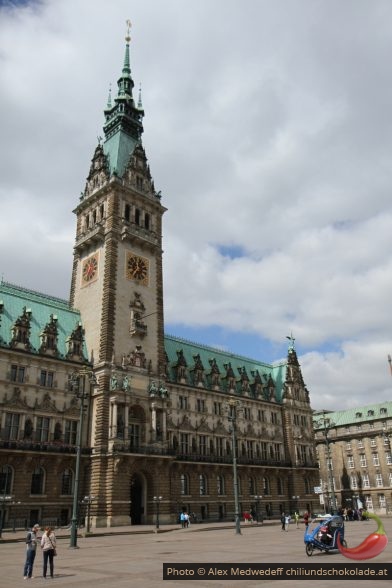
(267, 128)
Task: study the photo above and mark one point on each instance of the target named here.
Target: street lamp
(233, 405)
(257, 499)
(78, 380)
(88, 500)
(157, 502)
(324, 425)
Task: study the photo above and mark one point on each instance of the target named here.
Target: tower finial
(128, 37)
(291, 338)
(139, 102)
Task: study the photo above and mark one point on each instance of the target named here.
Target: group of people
(285, 519)
(48, 546)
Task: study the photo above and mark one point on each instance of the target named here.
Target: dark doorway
(34, 517)
(137, 510)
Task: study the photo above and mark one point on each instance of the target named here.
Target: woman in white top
(48, 544)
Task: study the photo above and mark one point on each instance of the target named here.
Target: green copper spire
(123, 127)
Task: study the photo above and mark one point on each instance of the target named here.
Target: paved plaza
(133, 556)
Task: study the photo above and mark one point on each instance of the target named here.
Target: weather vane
(128, 37)
(292, 339)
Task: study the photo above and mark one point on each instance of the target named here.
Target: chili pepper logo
(370, 547)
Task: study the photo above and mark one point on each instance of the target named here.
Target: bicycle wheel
(309, 549)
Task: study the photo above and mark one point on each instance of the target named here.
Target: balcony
(48, 446)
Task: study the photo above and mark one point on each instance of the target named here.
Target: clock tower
(117, 270)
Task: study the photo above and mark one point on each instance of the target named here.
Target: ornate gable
(99, 172)
(16, 400)
(47, 404)
(137, 173)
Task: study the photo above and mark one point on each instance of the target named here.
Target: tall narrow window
(17, 374)
(11, 429)
(203, 484)
(184, 482)
(70, 431)
(134, 436)
(127, 213)
(42, 432)
(5, 480)
(147, 221)
(220, 483)
(137, 216)
(37, 481)
(67, 482)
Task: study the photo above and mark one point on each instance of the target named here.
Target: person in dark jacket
(31, 550)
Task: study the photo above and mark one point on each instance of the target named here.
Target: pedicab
(322, 534)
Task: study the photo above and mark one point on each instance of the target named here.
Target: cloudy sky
(268, 131)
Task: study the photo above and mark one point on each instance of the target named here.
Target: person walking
(48, 544)
(283, 521)
(31, 550)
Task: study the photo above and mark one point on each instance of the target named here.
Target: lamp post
(257, 500)
(157, 502)
(79, 386)
(233, 404)
(324, 425)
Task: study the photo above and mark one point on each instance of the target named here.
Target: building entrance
(137, 507)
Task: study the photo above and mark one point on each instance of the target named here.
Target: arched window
(6, 473)
(251, 486)
(38, 481)
(281, 486)
(239, 484)
(220, 484)
(67, 482)
(266, 486)
(203, 484)
(184, 480)
(308, 489)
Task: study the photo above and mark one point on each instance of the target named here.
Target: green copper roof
(13, 299)
(174, 344)
(123, 122)
(355, 416)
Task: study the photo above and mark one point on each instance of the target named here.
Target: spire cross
(128, 37)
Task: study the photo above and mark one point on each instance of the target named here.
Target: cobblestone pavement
(133, 556)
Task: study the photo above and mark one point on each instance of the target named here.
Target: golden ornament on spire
(128, 37)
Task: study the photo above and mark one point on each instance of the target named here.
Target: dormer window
(358, 415)
(75, 343)
(21, 330)
(383, 411)
(139, 183)
(370, 412)
(49, 337)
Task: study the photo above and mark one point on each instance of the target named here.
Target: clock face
(137, 268)
(90, 269)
